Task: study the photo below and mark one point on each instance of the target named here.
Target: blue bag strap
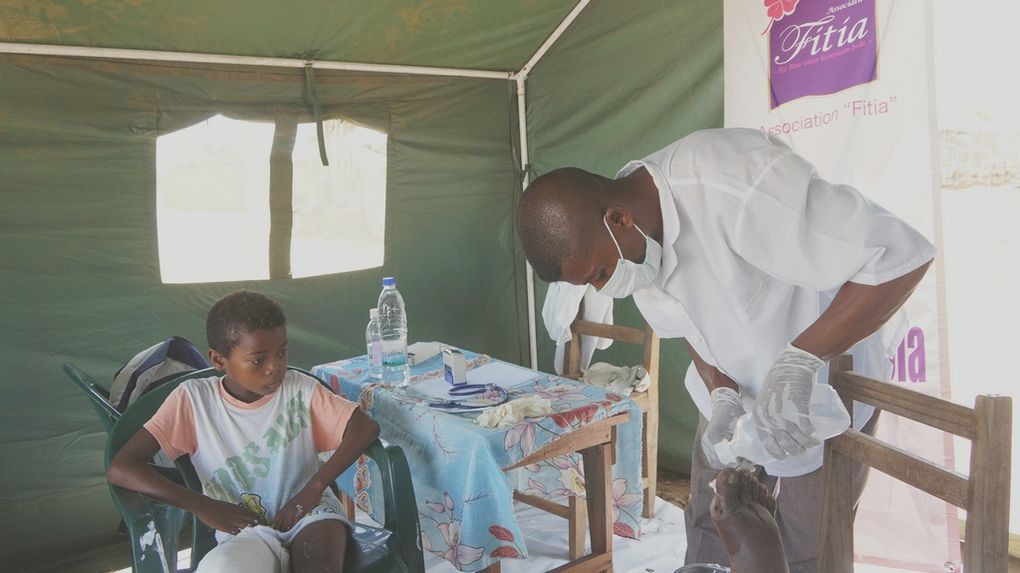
(182, 350)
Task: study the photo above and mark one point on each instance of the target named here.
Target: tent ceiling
(476, 34)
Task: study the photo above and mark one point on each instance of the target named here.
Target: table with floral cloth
(465, 499)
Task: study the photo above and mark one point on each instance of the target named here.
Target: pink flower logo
(776, 9)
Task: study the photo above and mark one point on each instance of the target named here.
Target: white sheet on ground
(660, 550)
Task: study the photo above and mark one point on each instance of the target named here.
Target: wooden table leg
(595, 443)
(597, 477)
(577, 526)
(597, 465)
(494, 568)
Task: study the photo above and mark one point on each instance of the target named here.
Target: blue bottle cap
(389, 281)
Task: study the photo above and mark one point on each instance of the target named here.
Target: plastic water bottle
(825, 410)
(373, 340)
(393, 333)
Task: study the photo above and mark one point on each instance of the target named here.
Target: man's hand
(298, 506)
(226, 517)
(781, 410)
(726, 409)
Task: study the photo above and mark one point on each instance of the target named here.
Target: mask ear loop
(606, 223)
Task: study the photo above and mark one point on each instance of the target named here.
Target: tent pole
(521, 77)
(567, 21)
(257, 61)
(522, 130)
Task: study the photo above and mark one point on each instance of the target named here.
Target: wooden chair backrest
(644, 337)
(648, 401)
(984, 493)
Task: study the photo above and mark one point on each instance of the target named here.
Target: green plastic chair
(153, 526)
(97, 394)
(99, 397)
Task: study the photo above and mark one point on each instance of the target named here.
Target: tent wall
(79, 275)
(619, 85)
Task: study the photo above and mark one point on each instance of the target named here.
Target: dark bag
(153, 367)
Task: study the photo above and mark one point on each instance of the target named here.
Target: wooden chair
(647, 401)
(984, 494)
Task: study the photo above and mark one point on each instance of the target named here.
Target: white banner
(848, 84)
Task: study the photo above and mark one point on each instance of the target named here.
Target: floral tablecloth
(465, 499)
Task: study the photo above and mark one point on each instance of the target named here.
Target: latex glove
(727, 407)
(781, 410)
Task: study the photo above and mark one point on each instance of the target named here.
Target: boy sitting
(254, 436)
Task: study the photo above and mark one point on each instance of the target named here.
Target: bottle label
(375, 355)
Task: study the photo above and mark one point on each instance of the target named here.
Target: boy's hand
(227, 517)
(299, 505)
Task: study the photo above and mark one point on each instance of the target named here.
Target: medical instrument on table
(471, 389)
(471, 397)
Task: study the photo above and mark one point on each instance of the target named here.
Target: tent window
(339, 210)
(213, 200)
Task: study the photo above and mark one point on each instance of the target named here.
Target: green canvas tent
(87, 87)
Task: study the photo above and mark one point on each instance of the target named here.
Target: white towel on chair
(619, 379)
(559, 311)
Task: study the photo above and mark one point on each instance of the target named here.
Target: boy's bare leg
(319, 547)
(742, 511)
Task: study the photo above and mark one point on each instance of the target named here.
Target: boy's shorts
(259, 549)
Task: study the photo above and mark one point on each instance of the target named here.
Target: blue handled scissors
(475, 397)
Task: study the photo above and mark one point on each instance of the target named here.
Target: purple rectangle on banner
(821, 47)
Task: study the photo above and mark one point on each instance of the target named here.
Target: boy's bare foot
(742, 511)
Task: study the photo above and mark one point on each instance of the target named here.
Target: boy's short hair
(238, 313)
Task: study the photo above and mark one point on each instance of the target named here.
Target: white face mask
(630, 277)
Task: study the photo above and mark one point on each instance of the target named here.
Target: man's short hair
(237, 314)
(559, 217)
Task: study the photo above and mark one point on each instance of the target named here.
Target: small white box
(421, 351)
(454, 366)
